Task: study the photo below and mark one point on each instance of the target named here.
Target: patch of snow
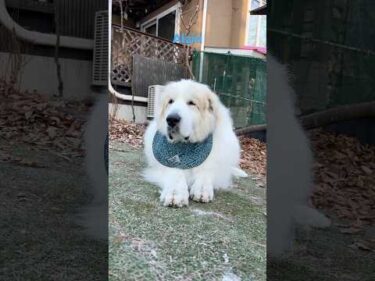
(230, 276)
(208, 213)
(154, 254)
(225, 257)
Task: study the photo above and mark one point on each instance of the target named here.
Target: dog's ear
(210, 105)
(213, 102)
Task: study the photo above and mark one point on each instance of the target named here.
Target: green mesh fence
(239, 81)
(329, 48)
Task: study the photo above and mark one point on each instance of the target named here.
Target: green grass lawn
(201, 242)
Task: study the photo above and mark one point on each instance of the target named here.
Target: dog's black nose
(173, 120)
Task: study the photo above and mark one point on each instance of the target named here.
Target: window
(257, 26)
(164, 25)
(151, 28)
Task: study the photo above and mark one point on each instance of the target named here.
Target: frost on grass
(230, 276)
(199, 212)
(199, 242)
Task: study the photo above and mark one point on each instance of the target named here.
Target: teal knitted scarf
(181, 155)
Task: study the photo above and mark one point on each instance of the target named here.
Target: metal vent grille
(153, 92)
(100, 60)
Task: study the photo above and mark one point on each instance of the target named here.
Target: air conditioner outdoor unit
(153, 92)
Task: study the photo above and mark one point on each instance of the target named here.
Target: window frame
(151, 23)
(175, 8)
(257, 35)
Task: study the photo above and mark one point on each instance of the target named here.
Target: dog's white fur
(207, 115)
(289, 162)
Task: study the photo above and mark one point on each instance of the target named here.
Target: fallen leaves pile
(128, 132)
(254, 158)
(41, 121)
(345, 183)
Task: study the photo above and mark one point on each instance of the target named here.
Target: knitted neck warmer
(181, 155)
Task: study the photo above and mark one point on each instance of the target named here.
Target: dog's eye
(170, 101)
(191, 103)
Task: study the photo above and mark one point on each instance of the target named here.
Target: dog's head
(186, 111)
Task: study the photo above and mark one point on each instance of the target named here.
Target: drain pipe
(39, 37)
(124, 97)
(110, 87)
(203, 39)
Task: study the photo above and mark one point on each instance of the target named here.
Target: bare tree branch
(60, 86)
(192, 20)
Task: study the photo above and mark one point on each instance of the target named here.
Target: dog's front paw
(174, 198)
(201, 193)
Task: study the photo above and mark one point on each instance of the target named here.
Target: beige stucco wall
(226, 23)
(218, 25)
(240, 13)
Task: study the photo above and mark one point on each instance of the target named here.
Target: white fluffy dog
(289, 165)
(189, 112)
(94, 217)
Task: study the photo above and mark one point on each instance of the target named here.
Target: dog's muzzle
(173, 120)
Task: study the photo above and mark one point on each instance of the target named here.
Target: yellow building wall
(218, 23)
(240, 14)
(226, 23)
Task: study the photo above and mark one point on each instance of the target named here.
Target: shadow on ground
(222, 240)
(39, 236)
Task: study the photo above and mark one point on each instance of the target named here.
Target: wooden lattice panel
(128, 42)
(150, 71)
